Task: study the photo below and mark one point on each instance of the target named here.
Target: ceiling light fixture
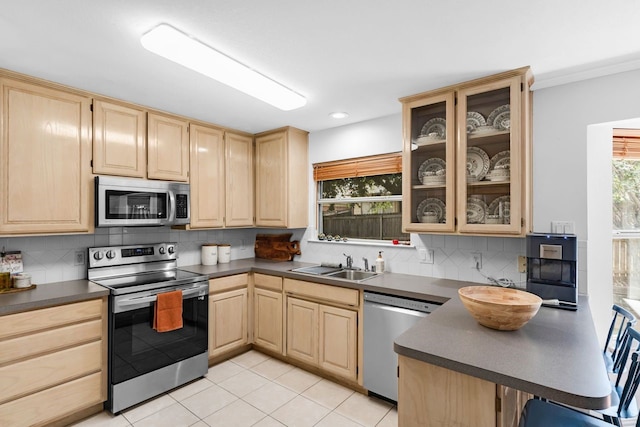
(339, 115)
(170, 43)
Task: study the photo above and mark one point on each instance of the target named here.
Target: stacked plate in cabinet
(497, 212)
(434, 130)
(431, 210)
(432, 171)
(499, 120)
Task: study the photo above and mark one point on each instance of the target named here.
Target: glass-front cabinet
(467, 160)
(429, 164)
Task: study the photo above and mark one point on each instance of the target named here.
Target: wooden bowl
(505, 309)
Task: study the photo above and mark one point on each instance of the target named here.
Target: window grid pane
(367, 207)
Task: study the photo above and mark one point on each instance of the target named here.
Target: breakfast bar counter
(556, 355)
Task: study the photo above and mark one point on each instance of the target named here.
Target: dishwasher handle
(393, 309)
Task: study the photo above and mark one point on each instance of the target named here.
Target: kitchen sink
(336, 273)
(354, 275)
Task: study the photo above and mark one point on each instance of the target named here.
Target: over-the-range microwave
(131, 202)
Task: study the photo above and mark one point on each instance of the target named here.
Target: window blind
(361, 166)
(626, 144)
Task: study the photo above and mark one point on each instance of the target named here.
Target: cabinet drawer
(20, 323)
(227, 283)
(323, 292)
(44, 371)
(267, 282)
(41, 342)
(54, 403)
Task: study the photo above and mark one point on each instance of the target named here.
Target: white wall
(566, 162)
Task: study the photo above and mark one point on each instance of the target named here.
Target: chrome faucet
(366, 264)
(349, 260)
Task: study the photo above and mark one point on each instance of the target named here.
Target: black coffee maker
(552, 269)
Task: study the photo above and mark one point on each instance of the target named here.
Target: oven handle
(152, 298)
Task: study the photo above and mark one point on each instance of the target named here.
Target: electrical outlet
(431, 257)
(522, 264)
(476, 258)
(79, 258)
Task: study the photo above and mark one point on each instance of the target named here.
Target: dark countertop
(556, 355)
(426, 288)
(554, 346)
(50, 294)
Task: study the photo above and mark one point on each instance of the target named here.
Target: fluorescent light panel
(168, 42)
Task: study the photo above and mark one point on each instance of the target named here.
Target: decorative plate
(501, 159)
(502, 121)
(501, 109)
(433, 205)
(437, 125)
(476, 210)
(497, 178)
(477, 163)
(474, 120)
(501, 205)
(433, 164)
(422, 140)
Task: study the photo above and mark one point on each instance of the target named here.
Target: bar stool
(622, 320)
(541, 413)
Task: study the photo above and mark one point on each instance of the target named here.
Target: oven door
(135, 348)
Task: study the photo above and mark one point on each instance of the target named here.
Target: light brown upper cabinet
(119, 140)
(467, 157)
(207, 177)
(239, 180)
(282, 168)
(45, 155)
(221, 169)
(167, 148)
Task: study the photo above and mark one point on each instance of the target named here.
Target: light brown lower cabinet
(268, 313)
(53, 362)
(302, 330)
(322, 334)
(228, 314)
(338, 341)
(430, 395)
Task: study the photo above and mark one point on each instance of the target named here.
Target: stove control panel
(109, 256)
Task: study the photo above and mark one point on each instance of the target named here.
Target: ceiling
(357, 56)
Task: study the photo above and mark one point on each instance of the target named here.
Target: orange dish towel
(167, 315)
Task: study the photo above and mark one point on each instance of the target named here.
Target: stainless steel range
(142, 361)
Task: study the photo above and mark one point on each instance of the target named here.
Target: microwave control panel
(182, 206)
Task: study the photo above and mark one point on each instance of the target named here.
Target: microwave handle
(172, 206)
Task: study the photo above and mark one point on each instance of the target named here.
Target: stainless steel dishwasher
(385, 318)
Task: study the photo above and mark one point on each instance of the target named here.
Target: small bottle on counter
(380, 263)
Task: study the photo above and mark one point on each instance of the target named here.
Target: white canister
(21, 280)
(224, 253)
(209, 254)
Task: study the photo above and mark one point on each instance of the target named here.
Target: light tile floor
(255, 390)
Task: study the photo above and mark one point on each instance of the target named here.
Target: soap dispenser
(380, 263)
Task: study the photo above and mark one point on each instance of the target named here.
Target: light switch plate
(563, 227)
(425, 255)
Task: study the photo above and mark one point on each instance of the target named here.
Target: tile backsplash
(452, 256)
(53, 258)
